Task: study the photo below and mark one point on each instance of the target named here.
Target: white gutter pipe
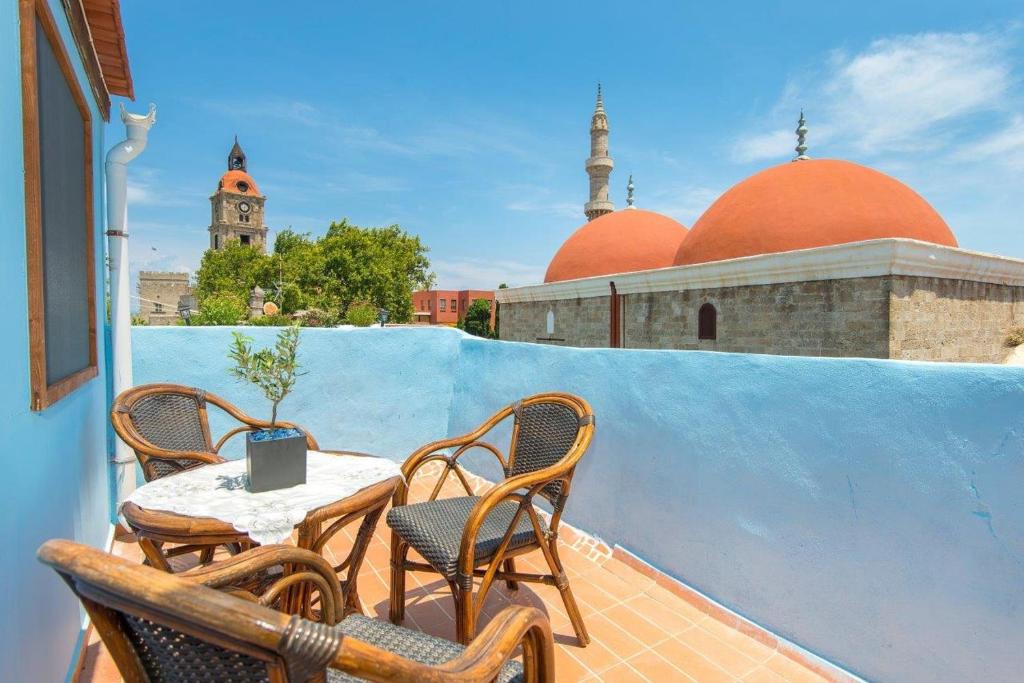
(118, 158)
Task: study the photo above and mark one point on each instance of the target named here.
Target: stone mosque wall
(577, 322)
(895, 316)
(952, 320)
(817, 318)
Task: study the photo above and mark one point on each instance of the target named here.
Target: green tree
(378, 266)
(477, 320)
(224, 308)
(235, 269)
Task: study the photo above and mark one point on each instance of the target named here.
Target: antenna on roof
(629, 192)
(801, 138)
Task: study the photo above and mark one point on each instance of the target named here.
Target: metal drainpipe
(137, 127)
(613, 314)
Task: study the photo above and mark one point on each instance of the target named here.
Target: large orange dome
(240, 182)
(810, 203)
(618, 242)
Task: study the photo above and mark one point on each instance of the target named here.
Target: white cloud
(909, 93)
(1005, 146)
(485, 274)
(685, 203)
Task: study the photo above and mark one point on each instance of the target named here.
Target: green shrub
(316, 317)
(361, 315)
(140, 321)
(220, 309)
(276, 320)
(1015, 337)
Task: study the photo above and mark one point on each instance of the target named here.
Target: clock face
(243, 207)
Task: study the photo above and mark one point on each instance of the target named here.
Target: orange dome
(618, 242)
(810, 203)
(240, 182)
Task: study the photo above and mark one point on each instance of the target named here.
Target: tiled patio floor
(639, 630)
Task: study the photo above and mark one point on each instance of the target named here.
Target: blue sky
(467, 123)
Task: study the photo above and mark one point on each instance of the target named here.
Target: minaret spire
(599, 165)
(629, 192)
(801, 138)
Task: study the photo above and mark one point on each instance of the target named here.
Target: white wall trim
(871, 258)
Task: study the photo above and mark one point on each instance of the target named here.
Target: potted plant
(275, 457)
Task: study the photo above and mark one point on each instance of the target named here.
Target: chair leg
(509, 565)
(465, 619)
(399, 550)
(562, 583)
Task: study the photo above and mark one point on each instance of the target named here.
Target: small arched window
(551, 322)
(707, 322)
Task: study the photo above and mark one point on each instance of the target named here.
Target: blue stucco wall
(867, 510)
(54, 463)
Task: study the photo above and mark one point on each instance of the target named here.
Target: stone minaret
(599, 165)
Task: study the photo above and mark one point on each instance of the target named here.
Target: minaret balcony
(600, 163)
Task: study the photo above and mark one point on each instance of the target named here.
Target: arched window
(707, 322)
(551, 322)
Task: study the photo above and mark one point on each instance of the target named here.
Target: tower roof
(236, 157)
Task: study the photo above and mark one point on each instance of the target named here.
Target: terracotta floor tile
(672, 621)
(630, 621)
(628, 574)
(722, 654)
(756, 650)
(692, 662)
(676, 604)
(791, 671)
(596, 656)
(622, 673)
(763, 674)
(657, 669)
(568, 667)
(617, 639)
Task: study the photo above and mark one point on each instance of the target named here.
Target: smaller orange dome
(240, 182)
(618, 242)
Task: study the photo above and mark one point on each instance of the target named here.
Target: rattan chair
(171, 627)
(479, 536)
(168, 428)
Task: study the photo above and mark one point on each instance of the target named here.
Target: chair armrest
(297, 564)
(250, 424)
(481, 661)
(501, 492)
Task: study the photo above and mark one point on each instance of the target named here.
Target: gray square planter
(276, 463)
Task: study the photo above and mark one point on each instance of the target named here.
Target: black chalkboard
(65, 225)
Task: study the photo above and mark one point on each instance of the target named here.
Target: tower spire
(236, 157)
(629, 192)
(599, 165)
(801, 138)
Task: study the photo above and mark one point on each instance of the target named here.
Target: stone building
(159, 294)
(236, 207)
(814, 257)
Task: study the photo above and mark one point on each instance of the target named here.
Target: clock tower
(237, 206)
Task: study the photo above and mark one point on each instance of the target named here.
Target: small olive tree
(274, 371)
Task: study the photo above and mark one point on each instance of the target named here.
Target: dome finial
(629, 192)
(801, 138)
(600, 98)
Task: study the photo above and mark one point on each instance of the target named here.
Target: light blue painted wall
(365, 389)
(867, 510)
(54, 463)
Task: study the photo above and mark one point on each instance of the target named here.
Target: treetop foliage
(347, 266)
